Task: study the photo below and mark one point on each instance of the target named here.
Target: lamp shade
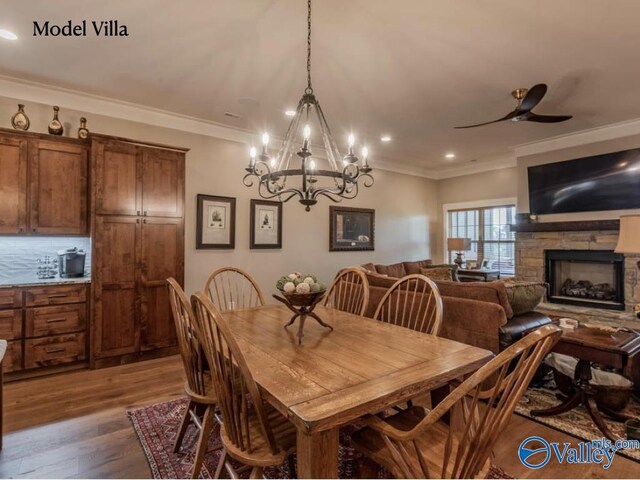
(459, 244)
(629, 240)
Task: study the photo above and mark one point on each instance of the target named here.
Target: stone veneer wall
(530, 247)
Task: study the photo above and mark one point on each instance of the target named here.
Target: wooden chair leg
(221, 463)
(257, 472)
(208, 422)
(186, 418)
(293, 468)
(368, 468)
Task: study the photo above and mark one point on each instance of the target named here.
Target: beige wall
(406, 206)
(476, 187)
(586, 150)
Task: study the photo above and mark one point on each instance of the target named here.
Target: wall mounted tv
(602, 182)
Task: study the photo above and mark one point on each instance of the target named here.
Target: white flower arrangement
(299, 283)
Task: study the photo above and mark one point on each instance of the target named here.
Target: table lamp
(459, 245)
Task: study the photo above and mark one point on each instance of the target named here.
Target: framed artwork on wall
(216, 222)
(351, 229)
(266, 224)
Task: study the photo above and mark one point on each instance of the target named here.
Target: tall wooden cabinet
(138, 242)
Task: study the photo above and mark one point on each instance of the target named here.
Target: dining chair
(349, 292)
(252, 432)
(202, 400)
(413, 302)
(230, 288)
(416, 444)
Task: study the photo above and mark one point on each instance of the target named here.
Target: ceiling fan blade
(532, 117)
(509, 116)
(533, 97)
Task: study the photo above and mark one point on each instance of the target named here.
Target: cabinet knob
(137, 220)
(138, 212)
(145, 213)
(20, 230)
(34, 230)
(144, 221)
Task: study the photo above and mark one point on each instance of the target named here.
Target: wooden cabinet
(117, 178)
(131, 179)
(138, 242)
(13, 184)
(55, 322)
(58, 188)
(116, 275)
(43, 184)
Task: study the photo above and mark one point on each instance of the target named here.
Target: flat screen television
(602, 182)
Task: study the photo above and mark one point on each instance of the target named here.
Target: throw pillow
(438, 273)
(396, 270)
(525, 296)
(452, 266)
(369, 267)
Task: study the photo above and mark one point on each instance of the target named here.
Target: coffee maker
(71, 263)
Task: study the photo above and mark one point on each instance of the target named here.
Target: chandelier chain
(309, 89)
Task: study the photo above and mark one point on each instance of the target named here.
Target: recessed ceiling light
(8, 35)
(385, 138)
(290, 113)
(450, 155)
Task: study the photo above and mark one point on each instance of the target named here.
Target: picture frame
(265, 219)
(351, 229)
(215, 222)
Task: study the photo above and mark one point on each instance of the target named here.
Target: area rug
(156, 427)
(576, 422)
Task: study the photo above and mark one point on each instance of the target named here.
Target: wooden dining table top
(334, 377)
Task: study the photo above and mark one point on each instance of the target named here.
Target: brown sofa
(476, 313)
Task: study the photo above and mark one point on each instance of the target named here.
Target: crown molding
(582, 137)
(488, 164)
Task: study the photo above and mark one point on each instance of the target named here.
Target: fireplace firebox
(590, 278)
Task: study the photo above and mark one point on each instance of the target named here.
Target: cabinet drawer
(10, 324)
(47, 351)
(10, 298)
(41, 296)
(13, 357)
(55, 320)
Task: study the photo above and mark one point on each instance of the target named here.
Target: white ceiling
(410, 68)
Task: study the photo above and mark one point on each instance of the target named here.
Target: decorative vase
(20, 121)
(83, 132)
(55, 127)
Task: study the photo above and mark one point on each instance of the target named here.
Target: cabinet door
(13, 184)
(58, 188)
(115, 276)
(116, 183)
(162, 257)
(162, 183)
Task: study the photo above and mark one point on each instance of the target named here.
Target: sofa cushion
(378, 280)
(415, 267)
(438, 273)
(395, 270)
(525, 296)
(494, 292)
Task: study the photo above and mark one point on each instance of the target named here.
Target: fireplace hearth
(590, 278)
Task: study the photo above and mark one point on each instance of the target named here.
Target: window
(491, 237)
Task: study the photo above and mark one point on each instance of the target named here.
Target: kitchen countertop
(31, 280)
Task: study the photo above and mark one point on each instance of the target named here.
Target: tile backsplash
(19, 255)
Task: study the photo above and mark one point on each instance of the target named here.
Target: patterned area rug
(156, 426)
(576, 422)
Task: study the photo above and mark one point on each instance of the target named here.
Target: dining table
(334, 377)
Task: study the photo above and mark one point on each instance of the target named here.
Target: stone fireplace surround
(530, 266)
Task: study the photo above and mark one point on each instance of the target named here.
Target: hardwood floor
(75, 426)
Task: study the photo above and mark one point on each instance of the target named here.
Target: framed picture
(266, 224)
(351, 229)
(216, 222)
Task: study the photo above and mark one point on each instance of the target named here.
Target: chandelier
(342, 175)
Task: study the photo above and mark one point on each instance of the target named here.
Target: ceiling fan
(527, 100)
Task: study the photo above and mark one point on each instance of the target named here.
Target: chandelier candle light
(340, 180)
